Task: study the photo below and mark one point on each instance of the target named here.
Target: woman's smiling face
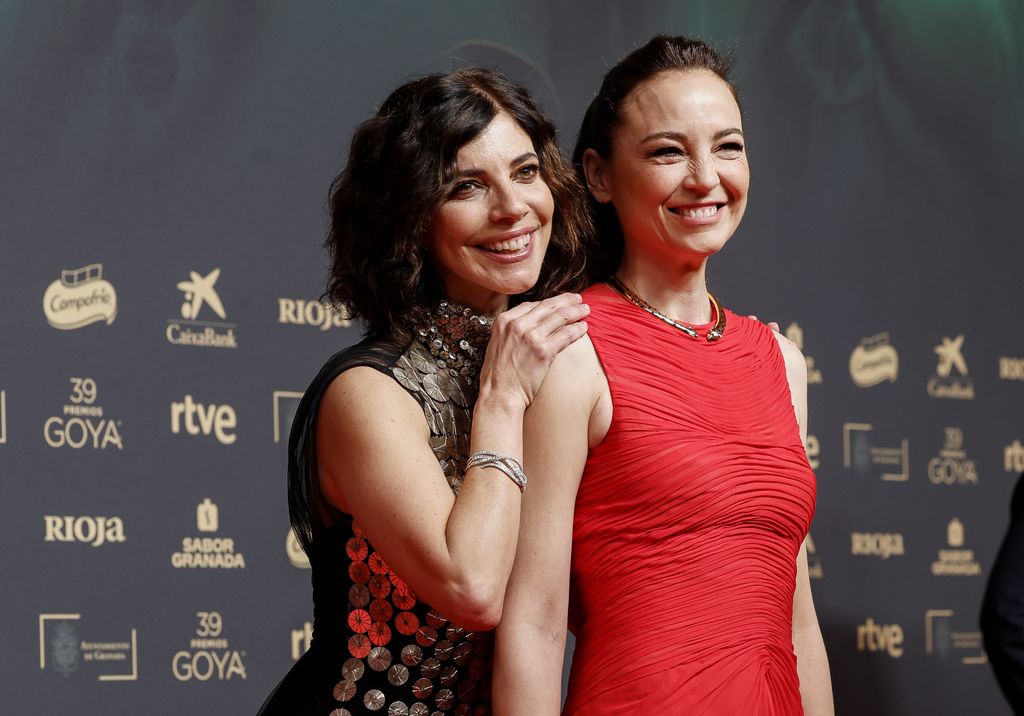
(489, 236)
(678, 174)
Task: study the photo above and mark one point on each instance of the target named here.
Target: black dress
(376, 647)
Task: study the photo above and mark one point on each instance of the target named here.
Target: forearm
(528, 669)
(812, 668)
(483, 526)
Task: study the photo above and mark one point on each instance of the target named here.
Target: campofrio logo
(80, 297)
(874, 361)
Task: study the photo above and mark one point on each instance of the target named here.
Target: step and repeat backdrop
(163, 172)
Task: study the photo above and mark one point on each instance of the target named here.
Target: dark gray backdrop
(150, 140)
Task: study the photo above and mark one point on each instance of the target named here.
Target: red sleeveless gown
(689, 518)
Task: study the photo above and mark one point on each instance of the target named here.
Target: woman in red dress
(670, 493)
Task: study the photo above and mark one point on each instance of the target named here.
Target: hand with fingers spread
(524, 341)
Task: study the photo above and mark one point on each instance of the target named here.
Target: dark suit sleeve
(1002, 613)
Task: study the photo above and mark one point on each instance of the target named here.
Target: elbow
(478, 606)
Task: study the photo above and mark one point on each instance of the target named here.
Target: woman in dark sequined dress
(453, 194)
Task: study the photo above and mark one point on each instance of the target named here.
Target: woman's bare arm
(376, 464)
(811, 659)
(531, 635)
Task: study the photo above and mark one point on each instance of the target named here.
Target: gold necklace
(716, 332)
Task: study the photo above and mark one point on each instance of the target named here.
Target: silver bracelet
(508, 465)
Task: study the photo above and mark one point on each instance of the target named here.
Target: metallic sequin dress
(377, 648)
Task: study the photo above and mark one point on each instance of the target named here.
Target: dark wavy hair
(399, 170)
(661, 54)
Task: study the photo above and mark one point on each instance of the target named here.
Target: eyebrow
(472, 171)
(680, 137)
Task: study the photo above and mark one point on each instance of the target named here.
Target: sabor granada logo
(80, 297)
(199, 293)
(955, 561)
(208, 552)
(874, 361)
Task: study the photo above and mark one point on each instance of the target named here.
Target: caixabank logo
(72, 648)
(82, 422)
(208, 550)
(194, 327)
(80, 297)
(209, 656)
(951, 379)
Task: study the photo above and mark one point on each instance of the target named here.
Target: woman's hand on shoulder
(524, 341)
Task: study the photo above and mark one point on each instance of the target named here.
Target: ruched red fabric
(689, 518)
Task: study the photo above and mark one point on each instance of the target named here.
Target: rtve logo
(880, 637)
(199, 418)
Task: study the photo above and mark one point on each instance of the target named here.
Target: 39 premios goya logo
(82, 421)
(80, 297)
(195, 326)
(72, 647)
(952, 466)
(209, 655)
(208, 550)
